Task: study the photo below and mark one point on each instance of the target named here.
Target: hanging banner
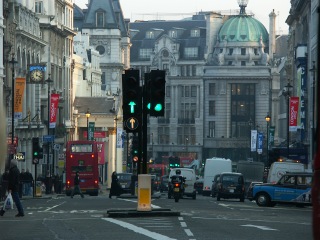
(293, 114)
(253, 140)
(120, 137)
(54, 101)
(91, 131)
(101, 152)
(271, 136)
(260, 143)
(18, 97)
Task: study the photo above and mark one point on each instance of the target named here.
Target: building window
(194, 70)
(101, 49)
(212, 126)
(255, 51)
(212, 108)
(230, 63)
(173, 34)
(193, 91)
(212, 88)
(100, 19)
(168, 93)
(165, 66)
(187, 91)
(145, 53)
(195, 33)
(230, 51)
(191, 52)
(243, 63)
(164, 135)
(243, 51)
(38, 7)
(150, 35)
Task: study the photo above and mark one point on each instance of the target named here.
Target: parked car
(215, 185)
(292, 187)
(231, 185)
(198, 185)
(155, 183)
(125, 181)
(164, 180)
(250, 190)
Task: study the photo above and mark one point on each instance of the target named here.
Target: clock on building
(36, 75)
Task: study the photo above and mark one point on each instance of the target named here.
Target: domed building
(217, 83)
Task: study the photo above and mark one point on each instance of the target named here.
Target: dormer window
(100, 19)
(173, 34)
(195, 33)
(150, 35)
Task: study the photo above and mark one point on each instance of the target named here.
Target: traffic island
(124, 213)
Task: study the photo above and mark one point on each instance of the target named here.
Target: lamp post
(152, 146)
(13, 61)
(88, 115)
(187, 140)
(268, 120)
(313, 142)
(250, 125)
(47, 171)
(286, 92)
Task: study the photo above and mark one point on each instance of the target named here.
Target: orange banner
(18, 97)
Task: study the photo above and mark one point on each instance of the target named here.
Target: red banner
(101, 153)
(293, 114)
(98, 134)
(54, 101)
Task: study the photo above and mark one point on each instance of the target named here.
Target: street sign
(48, 138)
(132, 123)
(56, 147)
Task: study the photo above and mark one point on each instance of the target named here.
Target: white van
(213, 167)
(190, 176)
(277, 169)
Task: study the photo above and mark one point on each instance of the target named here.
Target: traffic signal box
(135, 149)
(132, 101)
(174, 162)
(35, 150)
(156, 87)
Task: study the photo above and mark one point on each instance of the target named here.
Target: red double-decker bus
(82, 156)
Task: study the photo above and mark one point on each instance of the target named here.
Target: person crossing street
(76, 188)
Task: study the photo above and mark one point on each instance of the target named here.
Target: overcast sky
(161, 9)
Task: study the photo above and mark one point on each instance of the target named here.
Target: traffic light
(35, 150)
(157, 92)
(132, 100)
(174, 162)
(135, 148)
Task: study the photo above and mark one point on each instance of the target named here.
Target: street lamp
(268, 120)
(48, 81)
(286, 92)
(250, 125)
(187, 140)
(13, 61)
(88, 115)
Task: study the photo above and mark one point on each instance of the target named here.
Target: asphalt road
(60, 217)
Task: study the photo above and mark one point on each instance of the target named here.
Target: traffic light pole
(144, 129)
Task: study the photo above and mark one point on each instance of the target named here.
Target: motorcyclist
(178, 178)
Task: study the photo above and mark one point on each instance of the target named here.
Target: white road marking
(135, 201)
(183, 224)
(188, 232)
(48, 209)
(139, 230)
(260, 227)
(180, 218)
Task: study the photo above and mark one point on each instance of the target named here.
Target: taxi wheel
(263, 200)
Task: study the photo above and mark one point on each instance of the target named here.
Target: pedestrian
(13, 188)
(48, 183)
(115, 189)
(4, 184)
(29, 181)
(57, 184)
(76, 188)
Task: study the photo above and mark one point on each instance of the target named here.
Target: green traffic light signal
(158, 107)
(132, 104)
(35, 154)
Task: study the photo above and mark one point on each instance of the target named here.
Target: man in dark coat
(13, 187)
(76, 188)
(115, 187)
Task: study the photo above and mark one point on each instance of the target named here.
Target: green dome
(243, 28)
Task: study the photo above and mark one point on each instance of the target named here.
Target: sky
(163, 9)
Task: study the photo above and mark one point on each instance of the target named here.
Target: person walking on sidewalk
(76, 188)
(13, 187)
(115, 189)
